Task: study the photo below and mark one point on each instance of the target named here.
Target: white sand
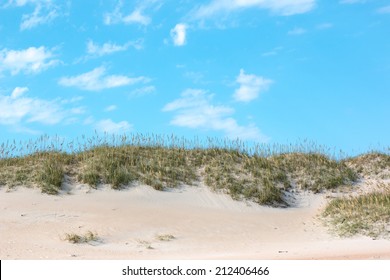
(205, 225)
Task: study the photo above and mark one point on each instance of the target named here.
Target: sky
(262, 71)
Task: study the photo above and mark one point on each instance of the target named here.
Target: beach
(189, 222)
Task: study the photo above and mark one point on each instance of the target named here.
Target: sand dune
(131, 224)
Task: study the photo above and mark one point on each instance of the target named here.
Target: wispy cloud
(142, 91)
(111, 127)
(194, 109)
(31, 60)
(195, 77)
(110, 108)
(384, 10)
(297, 31)
(45, 11)
(41, 15)
(284, 8)
(325, 25)
(352, 1)
(94, 49)
(18, 109)
(178, 34)
(250, 86)
(272, 52)
(97, 80)
(135, 17)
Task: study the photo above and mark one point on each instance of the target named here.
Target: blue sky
(259, 70)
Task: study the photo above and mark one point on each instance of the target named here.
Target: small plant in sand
(77, 239)
(145, 244)
(165, 237)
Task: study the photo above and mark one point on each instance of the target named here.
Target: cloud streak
(97, 80)
(40, 16)
(135, 17)
(284, 8)
(297, 31)
(45, 11)
(94, 49)
(384, 10)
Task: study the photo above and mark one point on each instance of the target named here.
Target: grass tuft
(165, 237)
(50, 176)
(367, 214)
(77, 239)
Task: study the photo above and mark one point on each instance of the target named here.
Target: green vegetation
(263, 174)
(259, 173)
(365, 214)
(371, 165)
(315, 172)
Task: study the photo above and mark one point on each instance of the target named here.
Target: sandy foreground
(205, 225)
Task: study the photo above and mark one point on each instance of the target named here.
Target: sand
(204, 224)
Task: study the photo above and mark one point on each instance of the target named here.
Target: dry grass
(260, 173)
(77, 239)
(371, 165)
(367, 214)
(165, 237)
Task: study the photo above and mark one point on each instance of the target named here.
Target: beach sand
(205, 225)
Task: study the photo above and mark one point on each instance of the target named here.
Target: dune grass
(259, 173)
(370, 165)
(367, 214)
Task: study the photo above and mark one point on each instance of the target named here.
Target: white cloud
(143, 91)
(283, 7)
(297, 31)
(384, 10)
(110, 108)
(272, 52)
(111, 127)
(352, 1)
(38, 17)
(21, 3)
(136, 16)
(106, 48)
(18, 91)
(44, 12)
(97, 79)
(195, 110)
(178, 34)
(18, 108)
(31, 60)
(95, 50)
(250, 86)
(325, 25)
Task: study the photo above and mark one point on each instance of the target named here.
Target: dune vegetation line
(260, 173)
